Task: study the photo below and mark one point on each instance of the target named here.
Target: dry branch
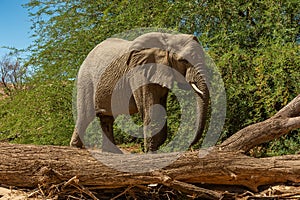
(287, 119)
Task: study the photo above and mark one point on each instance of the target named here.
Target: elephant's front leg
(108, 141)
(160, 131)
(151, 103)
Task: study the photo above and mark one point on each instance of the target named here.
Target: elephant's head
(181, 52)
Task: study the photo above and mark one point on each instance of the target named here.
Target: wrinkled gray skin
(113, 58)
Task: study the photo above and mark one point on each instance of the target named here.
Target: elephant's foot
(152, 149)
(76, 141)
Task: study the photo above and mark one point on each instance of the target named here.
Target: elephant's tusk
(196, 89)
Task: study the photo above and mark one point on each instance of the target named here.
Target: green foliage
(40, 114)
(124, 133)
(255, 45)
(288, 144)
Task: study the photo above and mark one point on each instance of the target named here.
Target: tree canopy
(254, 44)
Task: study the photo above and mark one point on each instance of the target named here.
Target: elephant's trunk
(202, 97)
(202, 108)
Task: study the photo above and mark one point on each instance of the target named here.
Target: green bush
(41, 114)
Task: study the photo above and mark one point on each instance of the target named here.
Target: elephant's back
(102, 56)
(106, 52)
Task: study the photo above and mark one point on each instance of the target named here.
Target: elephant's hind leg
(85, 112)
(75, 140)
(83, 121)
(108, 141)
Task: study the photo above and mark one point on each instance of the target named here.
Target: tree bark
(31, 166)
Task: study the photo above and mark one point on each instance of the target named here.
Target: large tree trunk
(33, 166)
(28, 166)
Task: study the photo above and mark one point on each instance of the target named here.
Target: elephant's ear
(130, 57)
(150, 66)
(146, 56)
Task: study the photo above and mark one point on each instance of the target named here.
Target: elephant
(102, 72)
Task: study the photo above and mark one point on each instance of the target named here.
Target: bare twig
(122, 193)
(85, 190)
(73, 179)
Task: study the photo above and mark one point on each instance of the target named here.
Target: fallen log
(33, 166)
(29, 166)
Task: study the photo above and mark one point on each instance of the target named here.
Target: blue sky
(14, 25)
